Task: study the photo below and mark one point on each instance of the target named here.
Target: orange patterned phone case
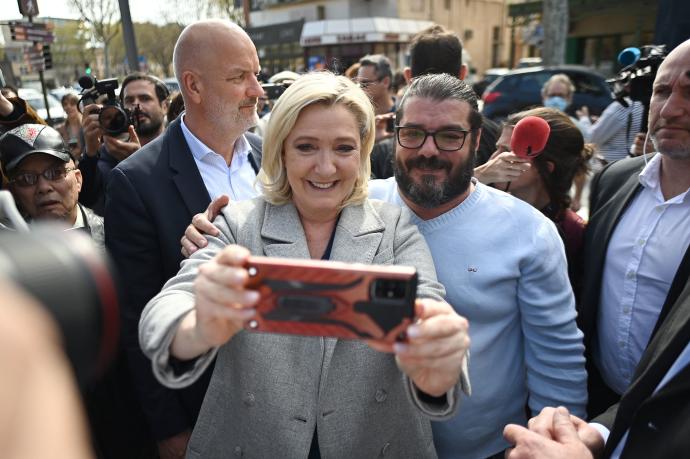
(330, 298)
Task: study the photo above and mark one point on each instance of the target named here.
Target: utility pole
(246, 7)
(128, 36)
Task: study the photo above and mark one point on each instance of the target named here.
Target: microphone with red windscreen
(529, 137)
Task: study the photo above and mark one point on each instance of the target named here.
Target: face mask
(556, 102)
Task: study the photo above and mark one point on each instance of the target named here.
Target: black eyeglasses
(444, 139)
(54, 174)
(363, 83)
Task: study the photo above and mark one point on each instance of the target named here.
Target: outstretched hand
(222, 306)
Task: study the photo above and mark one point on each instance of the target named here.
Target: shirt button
(621, 343)
(237, 451)
(626, 310)
(660, 209)
(630, 274)
(381, 395)
(641, 241)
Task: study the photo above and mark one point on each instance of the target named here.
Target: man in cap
(44, 180)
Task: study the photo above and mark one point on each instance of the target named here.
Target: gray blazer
(270, 392)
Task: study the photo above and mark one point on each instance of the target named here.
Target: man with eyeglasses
(375, 76)
(502, 264)
(501, 261)
(44, 180)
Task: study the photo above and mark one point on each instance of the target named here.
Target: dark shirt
(571, 227)
(95, 171)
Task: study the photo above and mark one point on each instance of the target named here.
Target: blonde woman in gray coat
(289, 396)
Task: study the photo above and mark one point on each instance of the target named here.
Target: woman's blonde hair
(314, 88)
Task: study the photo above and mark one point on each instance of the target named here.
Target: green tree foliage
(154, 42)
(102, 18)
(71, 50)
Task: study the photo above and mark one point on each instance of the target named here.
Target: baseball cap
(28, 139)
(286, 76)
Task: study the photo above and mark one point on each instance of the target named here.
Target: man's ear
(407, 73)
(192, 85)
(463, 71)
(550, 165)
(78, 177)
(386, 82)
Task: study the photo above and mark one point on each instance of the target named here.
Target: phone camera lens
(389, 289)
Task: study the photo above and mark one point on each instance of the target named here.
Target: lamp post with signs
(41, 36)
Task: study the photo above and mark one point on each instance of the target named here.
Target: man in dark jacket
(147, 98)
(153, 194)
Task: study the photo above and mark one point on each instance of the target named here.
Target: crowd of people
(537, 333)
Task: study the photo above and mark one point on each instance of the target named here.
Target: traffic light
(47, 57)
(87, 68)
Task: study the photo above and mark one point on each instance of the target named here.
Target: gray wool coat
(269, 392)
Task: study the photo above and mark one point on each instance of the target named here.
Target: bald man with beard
(205, 153)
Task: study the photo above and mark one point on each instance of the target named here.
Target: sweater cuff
(443, 407)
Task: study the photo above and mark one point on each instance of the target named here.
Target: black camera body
(637, 78)
(113, 117)
(273, 90)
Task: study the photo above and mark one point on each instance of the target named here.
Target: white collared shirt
(79, 222)
(642, 258)
(237, 180)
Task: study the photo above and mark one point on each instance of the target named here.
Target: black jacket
(659, 423)
(151, 198)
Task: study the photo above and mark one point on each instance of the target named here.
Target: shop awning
(360, 30)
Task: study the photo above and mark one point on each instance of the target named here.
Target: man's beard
(680, 152)
(220, 115)
(430, 193)
(150, 126)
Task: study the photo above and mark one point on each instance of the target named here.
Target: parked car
(35, 99)
(490, 76)
(521, 89)
(528, 62)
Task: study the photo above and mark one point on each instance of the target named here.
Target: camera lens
(71, 278)
(389, 289)
(113, 119)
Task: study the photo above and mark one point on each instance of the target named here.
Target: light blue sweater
(503, 266)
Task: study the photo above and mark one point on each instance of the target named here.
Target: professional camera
(71, 278)
(639, 71)
(114, 118)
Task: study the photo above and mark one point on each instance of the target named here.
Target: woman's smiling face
(322, 157)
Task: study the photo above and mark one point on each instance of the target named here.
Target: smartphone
(333, 299)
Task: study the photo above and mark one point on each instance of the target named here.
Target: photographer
(102, 151)
(615, 130)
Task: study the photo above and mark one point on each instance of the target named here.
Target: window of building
(320, 13)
